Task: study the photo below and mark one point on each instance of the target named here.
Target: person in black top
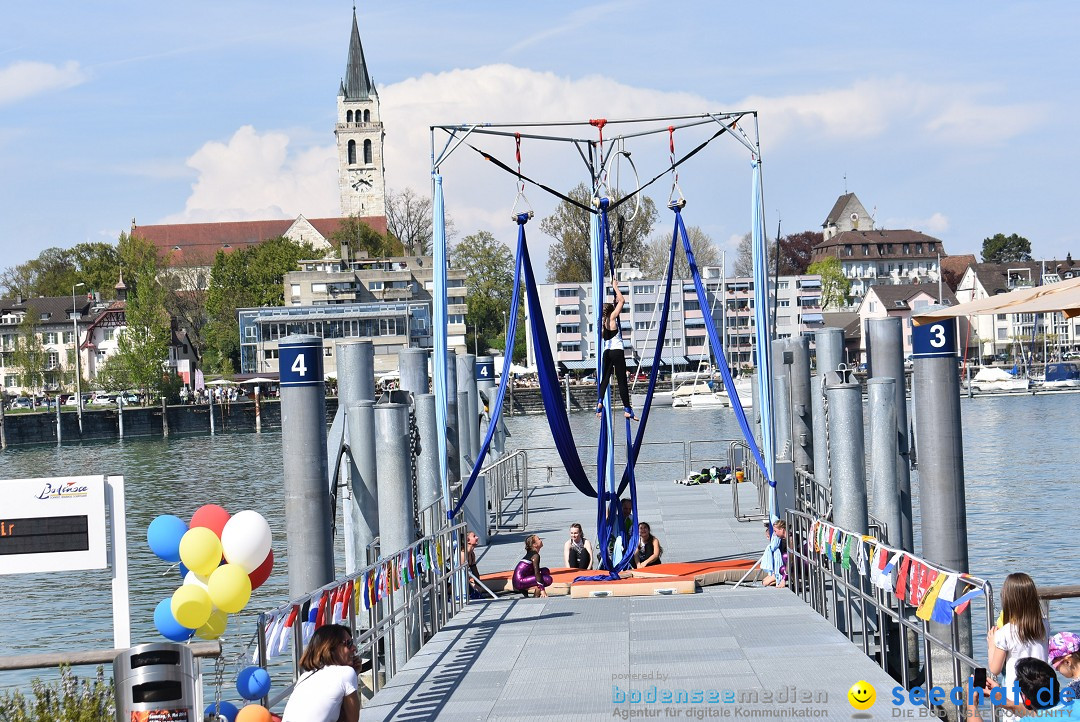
(649, 549)
(578, 551)
(614, 355)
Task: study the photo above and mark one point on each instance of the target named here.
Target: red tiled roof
(196, 244)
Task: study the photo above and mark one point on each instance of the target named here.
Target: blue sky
(957, 119)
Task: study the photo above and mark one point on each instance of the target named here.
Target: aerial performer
(614, 355)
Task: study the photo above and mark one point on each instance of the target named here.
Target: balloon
(163, 536)
(227, 710)
(191, 606)
(230, 588)
(167, 625)
(200, 550)
(212, 517)
(254, 713)
(253, 683)
(197, 580)
(214, 627)
(246, 540)
(261, 574)
(182, 569)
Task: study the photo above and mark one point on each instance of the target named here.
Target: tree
(654, 262)
(570, 256)
(143, 347)
(744, 256)
(56, 270)
(795, 252)
(30, 356)
(246, 278)
(999, 248)
(408, 219)
(362, 237)
(489, 278)
(835, 286)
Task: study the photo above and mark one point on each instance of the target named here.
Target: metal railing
(508, 491)
(418, 608)
(912, 650)
(812, 496)
(739, 459)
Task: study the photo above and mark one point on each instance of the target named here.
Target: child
(1024, 632)
(1064, 657)
(774, 560)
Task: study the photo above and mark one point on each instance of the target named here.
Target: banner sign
(52, 525)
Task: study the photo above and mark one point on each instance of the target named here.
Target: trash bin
(155, 683)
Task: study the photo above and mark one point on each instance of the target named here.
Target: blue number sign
(934, 340)
(485, 371)
(301, 364)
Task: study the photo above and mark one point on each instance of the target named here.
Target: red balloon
(211, 516)
(261, 574)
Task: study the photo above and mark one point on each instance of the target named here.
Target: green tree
(143, 346)
(654, 261)
(1000, 248)
(835, 286)
(56, 270)
(30, 357)
(246, 278)
(489, 278)
(362, 237)
(570, 256)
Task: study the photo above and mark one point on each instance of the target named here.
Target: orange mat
(703, 573)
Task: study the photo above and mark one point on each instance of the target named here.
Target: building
(996, 334)
(385, 299)
(847, 214)
(359, 136)
(900, 301)
(570, 322)
(55, 321)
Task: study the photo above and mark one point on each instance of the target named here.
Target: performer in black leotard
(614, 355)
(578, 551)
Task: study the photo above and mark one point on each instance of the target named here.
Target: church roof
(357, 84)
(837, 209)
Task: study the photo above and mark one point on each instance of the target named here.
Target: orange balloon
(254, 713)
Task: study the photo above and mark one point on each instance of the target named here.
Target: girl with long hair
(614, 359)
(327, 691)
(578, 551)
(1024, 632)
(649, 549)
(528, 574)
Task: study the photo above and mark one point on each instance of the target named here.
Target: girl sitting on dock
(578, 551)
(528, 574)
(649, 549)
(1024, 633)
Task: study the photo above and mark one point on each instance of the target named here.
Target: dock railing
(508, 492)
(913, 650)
(436, 591)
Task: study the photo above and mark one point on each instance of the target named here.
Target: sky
(956, 119)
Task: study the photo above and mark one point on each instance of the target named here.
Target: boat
(991, 378)
(1061, 376)
(706, 395)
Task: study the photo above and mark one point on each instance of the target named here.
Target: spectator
(1040, 694)
(468, 558)
(327, 691)
(1064, 657)
(774, 560)
(529, 575)
(649, 549)
(578, 551)
(1023, 633)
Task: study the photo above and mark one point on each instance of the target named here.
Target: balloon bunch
(222, 559)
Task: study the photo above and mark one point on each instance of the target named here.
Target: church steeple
(357, 84)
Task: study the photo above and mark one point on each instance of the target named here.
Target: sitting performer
(528, 574)
(614, 356)
(578, 551)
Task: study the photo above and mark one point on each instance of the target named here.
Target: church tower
(359, 132)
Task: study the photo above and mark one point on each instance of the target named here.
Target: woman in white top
(1024, 633)
(327, 691)
(614, 359)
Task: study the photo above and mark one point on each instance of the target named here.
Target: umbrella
(221, 382)
(258, 380)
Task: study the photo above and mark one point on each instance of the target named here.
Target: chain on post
(414, 435)
(828, 442)
(219, 682)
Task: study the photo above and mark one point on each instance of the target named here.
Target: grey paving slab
(566, 659)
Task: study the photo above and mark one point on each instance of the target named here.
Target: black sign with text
(44, 535)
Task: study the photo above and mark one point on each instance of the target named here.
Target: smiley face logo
(862, 695)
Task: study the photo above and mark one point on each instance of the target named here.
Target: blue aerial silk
(438, 295)
(762, 336)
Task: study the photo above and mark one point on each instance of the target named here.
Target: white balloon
(195, 579)
(246, 540)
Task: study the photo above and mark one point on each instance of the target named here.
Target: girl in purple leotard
(528, 574)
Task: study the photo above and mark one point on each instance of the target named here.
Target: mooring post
(475, 506)
(885, 344)
(413, 370)
(210, 406)
(396, 530)
(802, 429)
(59, 430)
(3, 425)
(485, 387)
(453, 450)
(356, 383)
(363, 473)
(120, 414)
(881, 395)
(303, 451)
(165, 416)
(829, 354)
(258, 411)
(428, 486)
(781, 399)
(848, 459)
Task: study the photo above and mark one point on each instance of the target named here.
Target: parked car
(1070, 355)
(21, 402)
(102, 400)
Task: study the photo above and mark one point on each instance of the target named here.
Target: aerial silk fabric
(438, 294)
(761, 319)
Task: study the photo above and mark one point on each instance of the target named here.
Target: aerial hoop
(514, 215)
(637, 178)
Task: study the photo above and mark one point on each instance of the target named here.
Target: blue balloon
(164, 534)
(253, 682)
(228, 710)
(167, 625)
(183, 571)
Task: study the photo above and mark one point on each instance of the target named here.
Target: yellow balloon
(230, 588)
(191, 606)
(214, 627)
(200, 550)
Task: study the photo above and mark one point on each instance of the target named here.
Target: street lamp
(78, 371)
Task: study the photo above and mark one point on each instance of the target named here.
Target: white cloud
(936, 223)
(24, 79)
(254, 176)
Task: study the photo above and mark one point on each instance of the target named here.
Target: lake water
(1019, 474)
